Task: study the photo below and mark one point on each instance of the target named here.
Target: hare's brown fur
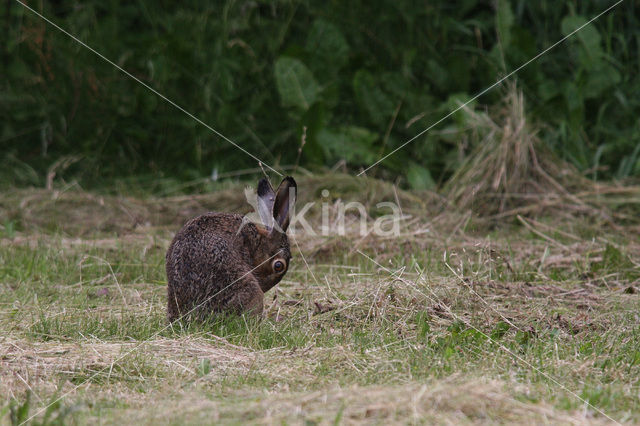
(218, 263)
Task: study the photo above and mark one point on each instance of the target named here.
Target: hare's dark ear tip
(264, 187)
(290, 180)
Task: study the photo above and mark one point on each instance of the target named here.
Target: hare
(220, 262)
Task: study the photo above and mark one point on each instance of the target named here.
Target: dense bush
(361, 77)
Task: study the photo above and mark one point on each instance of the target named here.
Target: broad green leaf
(327, 47)
(548, 89)
(315, 119)
(455, 102)
(350, 143)
(588, 34)
(590, 50)
(419, 177)
(296, 85)
(370, 96)
(601, 77)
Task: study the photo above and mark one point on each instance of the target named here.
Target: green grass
(477, 328)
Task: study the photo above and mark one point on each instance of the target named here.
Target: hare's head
(272, 251)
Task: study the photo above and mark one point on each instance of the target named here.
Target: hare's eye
(278, 266)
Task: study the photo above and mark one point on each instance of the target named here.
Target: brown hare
(220, 262)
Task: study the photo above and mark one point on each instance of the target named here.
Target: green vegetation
(449, 325)
(361, 79)
(510, 295)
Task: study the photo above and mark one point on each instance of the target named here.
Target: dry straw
(511, 171)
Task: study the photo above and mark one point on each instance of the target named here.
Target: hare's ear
(266, 198)
(285, 199)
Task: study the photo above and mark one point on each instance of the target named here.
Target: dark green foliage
(361, 78)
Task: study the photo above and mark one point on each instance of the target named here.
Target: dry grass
(452, 401)
(76, 212)
(27, 364)
(344, 340)
(511, 172)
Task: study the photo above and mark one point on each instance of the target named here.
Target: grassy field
(528, 320)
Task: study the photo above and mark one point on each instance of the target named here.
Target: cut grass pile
(451, 322)
(511, 171)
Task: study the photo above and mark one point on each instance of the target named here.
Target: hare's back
(206, 233)
(205, 245)
(212, 223)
